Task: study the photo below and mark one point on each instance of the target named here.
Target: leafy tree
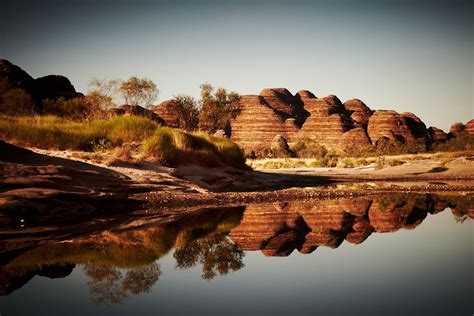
(108, 284)
(217, 108)
(138, 91)
(102, 93)
(185, 108)
(217, 253)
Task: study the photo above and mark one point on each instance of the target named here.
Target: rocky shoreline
(44, 185)
(163, 200)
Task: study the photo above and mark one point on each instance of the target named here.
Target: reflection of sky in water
(422, 271)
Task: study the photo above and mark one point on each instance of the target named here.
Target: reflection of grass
(135, 248)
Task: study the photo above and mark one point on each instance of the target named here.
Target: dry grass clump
(355, 162)
(51, 132)
(122, 137)
(173, 146)
(283, 163)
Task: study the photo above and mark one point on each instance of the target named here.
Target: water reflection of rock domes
(123, 258)
(307, 226)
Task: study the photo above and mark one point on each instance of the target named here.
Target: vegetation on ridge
(160, 144)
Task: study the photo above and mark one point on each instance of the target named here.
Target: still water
(391, 255)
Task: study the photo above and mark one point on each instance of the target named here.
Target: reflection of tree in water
(217, 253)
(108, 284)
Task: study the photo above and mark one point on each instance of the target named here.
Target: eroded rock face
(416, 126)
(437, 135)
(469, 127)
(389, 124)
(305, 94)
(456, 129)
(354, 139)
(258, 123)
(164, 110)
(360, 113)
(284, 104)
(325, 120)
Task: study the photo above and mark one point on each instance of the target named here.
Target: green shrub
(308, 148)
(395, 162)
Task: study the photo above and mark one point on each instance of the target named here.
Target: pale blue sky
(404, 55)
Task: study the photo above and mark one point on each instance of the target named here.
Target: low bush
(74, 109)
(307, 148)
(395, 162)
(462, 142)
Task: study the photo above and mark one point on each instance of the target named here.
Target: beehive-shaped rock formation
(326, 123)
(469, 127)
(416, 126)
(258, 123)
(389, 124)
(456, 129)
(437, 135)
(353, 139)
(360, 113)
(338, 126)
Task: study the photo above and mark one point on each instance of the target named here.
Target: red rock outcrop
(284, 104)
(469, 127)
(305, 94)
(389, 124)
(360, 113)
(354, 139)
(456, 129)
(258, 123)
(416, 126)
(325, 120)
(164, 110)
(437, 135)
